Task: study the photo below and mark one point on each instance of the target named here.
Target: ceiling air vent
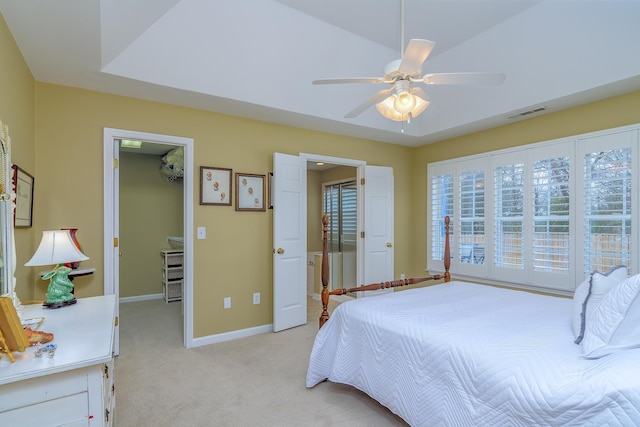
(527, 113)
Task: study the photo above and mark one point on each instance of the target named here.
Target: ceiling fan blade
(414, 55)
(368, 103)
(349, 80)
(463, 78)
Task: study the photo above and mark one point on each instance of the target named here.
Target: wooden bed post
(374, 286)
(325, 272)
(447, 250)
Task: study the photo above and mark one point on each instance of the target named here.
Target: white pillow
(615, 324)
(589, 294)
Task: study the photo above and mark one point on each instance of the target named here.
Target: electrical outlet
(256, 298)
(227, 302)
(402, 276)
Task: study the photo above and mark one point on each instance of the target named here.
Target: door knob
(389, 244)
(280, 251)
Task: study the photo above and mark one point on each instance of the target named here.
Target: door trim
(110, 192)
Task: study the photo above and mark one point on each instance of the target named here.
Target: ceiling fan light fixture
(405, 102)
(388, 110)
(421, 105)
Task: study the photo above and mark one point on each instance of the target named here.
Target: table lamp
(56, 247)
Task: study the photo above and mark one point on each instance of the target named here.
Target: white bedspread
(461, 354)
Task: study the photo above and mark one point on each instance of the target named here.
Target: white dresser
(76, 386)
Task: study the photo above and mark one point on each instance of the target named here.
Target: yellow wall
(236, 258)
(151, 208)
(609, 113)
(17, 110)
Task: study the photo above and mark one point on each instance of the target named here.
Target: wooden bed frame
(374, 286)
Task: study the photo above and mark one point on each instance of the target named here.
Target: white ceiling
(257, 58)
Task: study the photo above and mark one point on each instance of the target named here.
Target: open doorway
(332, 190)
(151, 222)
(291, 227)
(134, 168)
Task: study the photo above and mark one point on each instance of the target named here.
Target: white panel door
(378, 225)
(113, 253)
(289, 241)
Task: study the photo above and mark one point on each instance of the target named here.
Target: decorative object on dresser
(12, 336)
(57, 247)
(215, 186)
(250, 191)
(172, 274)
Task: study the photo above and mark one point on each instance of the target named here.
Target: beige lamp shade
(56, 247)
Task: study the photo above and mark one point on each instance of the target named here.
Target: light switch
(202, 232)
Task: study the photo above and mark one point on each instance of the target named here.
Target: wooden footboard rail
(374, 286)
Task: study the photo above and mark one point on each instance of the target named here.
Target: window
(541, 216)
(471, 217)
(551, 221)
(441, 206)
(607, 192)
(508, 243)
(340, 204)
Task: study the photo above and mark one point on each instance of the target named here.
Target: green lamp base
(60, 290)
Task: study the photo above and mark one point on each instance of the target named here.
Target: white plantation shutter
(608, 183)
(332, 209)
(543, 215)
(471, 222)
(551, 220)
(340, 205)
(349, 215)
(441, 202)
(508, 193)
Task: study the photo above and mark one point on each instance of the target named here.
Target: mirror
(7, 253)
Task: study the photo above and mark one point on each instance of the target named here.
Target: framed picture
(23, 187)
(215, 186)
(250, 192)
(270, 189)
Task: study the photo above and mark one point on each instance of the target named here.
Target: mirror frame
(7, 246)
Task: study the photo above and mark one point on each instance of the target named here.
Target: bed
(466, 354)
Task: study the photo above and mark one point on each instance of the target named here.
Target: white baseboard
(141, 298)
(233, 335)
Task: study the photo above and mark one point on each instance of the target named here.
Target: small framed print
(23, 188)
(250, 192)
(215, 186)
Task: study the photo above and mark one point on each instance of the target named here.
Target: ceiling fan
(402, 101)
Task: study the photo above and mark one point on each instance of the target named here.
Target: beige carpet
(254, 381)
